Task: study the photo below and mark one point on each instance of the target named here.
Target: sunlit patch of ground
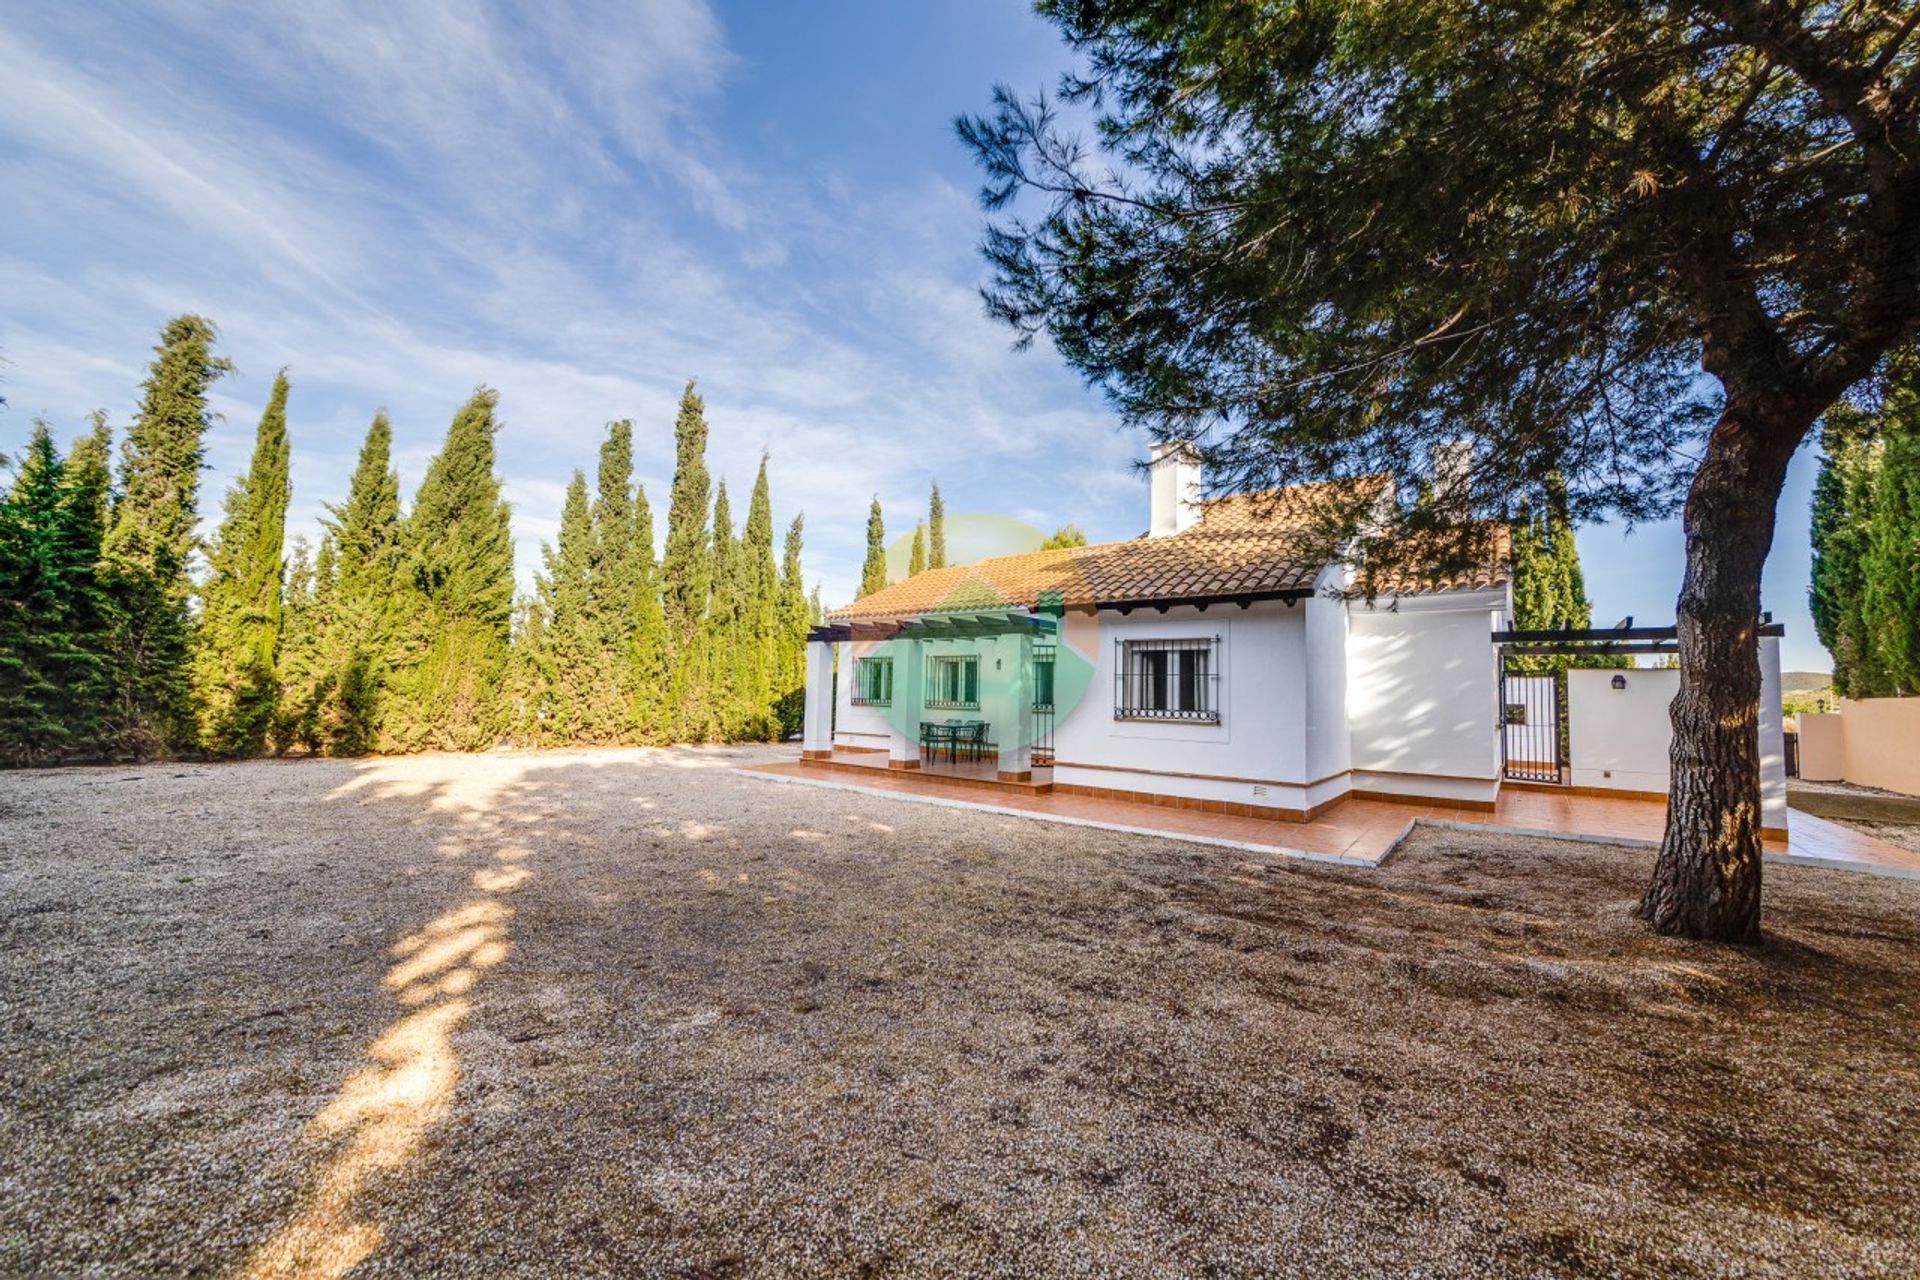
(630, 1012)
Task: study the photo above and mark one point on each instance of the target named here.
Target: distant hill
(1805, 681)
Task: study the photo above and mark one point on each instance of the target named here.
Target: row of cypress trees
(928, 549)
(1865, 589)
(402, 631)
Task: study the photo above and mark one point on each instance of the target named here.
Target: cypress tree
(1842, 523)
(936, 530)
(613, 573)
(51, 633)
(364, 538)
(303, 671)
(917, 558)
(723, 640)
(236, 652)
(572, 633)
(1533, 582)
(1890, 560)
(89, 468)
(790, 662)
(458, 570)
(686, 578)
(647, 639)
(761, 605)
(873, 574)
(686, 567)
(150, 544)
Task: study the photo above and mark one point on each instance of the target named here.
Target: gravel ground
(619, 1012)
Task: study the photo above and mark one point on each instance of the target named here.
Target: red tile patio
(1355, 831)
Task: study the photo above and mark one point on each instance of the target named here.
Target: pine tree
(790, 661)
(458, 570)
(149, 546)
(236, 651)
(52, 676)
(873, 574)
(917, 557)
(686, 578)
(936, 530)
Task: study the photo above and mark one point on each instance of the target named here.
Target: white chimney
(1175, 478)
(1452, 464)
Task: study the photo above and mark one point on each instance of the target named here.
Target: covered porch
(960, 695)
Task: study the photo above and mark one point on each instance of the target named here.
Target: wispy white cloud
(401, 201)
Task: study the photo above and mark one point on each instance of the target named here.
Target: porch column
(816, 734)
(909, 705)
(1016, 740)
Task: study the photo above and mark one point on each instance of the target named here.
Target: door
(1532, 725)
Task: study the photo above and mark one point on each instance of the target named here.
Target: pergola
(958, 624)
(1015, 740)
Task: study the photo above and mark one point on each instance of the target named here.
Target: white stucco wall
(858, 726)
(1423, 695)
(1329, 741)
(1618, 738)
(1262, 736)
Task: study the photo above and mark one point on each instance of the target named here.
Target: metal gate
(1043, 705)
(1533, 725)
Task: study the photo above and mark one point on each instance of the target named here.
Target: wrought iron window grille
(1167, 680)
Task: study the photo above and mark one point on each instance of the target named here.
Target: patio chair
(934, 735)
(972, 738)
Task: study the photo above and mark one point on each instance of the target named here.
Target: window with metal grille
(953, 682)
(1167, 680)
(1043, 679)
(873, 682)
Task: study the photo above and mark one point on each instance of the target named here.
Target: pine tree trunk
(1706, 883)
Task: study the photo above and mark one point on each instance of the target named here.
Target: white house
(1205, 664)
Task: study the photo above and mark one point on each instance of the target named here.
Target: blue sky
(582, 205)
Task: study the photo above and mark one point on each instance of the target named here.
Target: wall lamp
(1619, 681)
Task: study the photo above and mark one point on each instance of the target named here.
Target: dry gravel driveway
(626, 1012)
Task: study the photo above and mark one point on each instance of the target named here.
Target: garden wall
(1874, 742)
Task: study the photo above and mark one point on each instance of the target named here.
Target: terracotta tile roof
(1490, 572)
(1243, 544)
